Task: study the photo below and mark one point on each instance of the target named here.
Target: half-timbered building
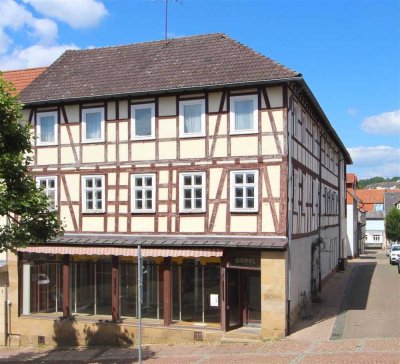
(217, 161)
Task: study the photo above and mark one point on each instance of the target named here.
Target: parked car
(398, 265)
(389, 248)
(394, 254)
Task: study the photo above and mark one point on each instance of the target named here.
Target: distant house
(391, 199)
(373, 202)
(384, 185)
(356, 219)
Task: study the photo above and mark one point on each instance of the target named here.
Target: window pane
(239, 192)
(42, 183)
(89, 204)
(187, 204)
(149, 204)
(98, 195)
(239, 202)
(149, 181)
(149, 194)
(89, 182)
(198, 203)
(99, 205)
(52, 197)
(187, 193)
(89, 195)
(139, 194)
(250, 203)
(197, 193)
(197, 180)
(244, 114)
(93, 125)
(47, 129)
(192, 118)
(138, 182)
(143, 122)
(98, 182)
(250, 178)
(187, 180)
(52, 183)
(139, 204)
(238, 178)
(250, 192)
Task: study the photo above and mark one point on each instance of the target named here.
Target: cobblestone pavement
(331, 330)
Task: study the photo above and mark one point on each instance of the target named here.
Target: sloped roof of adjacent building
(391, 198)
(181, 63)
(370, 197)
(22, 78)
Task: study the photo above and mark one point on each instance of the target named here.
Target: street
(356, 321)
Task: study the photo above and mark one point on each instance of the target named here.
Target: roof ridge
(24, 69)
(151, 42)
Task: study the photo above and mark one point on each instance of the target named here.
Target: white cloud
(34, 56)
(383, 161)
(76, 13)
(385, 123)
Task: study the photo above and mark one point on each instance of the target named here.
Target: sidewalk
(312, 341)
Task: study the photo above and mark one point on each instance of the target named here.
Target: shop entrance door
(243, 298)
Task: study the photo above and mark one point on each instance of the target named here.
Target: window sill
(90, 141)
(52, 144)
(200, 135)
(241, 212)
(142, 139)
(93, 212)
(243, 132)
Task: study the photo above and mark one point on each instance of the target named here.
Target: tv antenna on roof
(166, 17)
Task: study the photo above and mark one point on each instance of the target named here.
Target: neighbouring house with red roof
(22, 78)
(212, 162)
(373, 202)
(356, 219)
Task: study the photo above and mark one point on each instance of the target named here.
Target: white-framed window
(93, 194)
(49, 186)
(376, 238)
(244, 191)
(47, 128)
(143, 187)
(192, 192)
(143, 121)
(93, 125)
(243, 114)
(192, 118)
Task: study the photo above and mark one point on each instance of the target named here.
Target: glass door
(251, 291)
(233, 307)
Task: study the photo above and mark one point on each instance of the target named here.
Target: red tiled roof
(351, 178)
(369, 197)
(200, 61)
(22, 78)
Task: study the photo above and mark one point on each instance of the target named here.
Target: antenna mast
(166, 19)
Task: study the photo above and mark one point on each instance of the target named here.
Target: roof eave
(162, 91)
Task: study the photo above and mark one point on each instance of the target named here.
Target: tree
(25, 215)
(392, 224)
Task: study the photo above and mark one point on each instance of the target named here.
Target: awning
(120, 251)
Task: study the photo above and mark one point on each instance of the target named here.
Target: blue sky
(347, 50)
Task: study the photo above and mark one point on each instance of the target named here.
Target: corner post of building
(65, 278)
(115, 288)
(223, 294)
(166, 272)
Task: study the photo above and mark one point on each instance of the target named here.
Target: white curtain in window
(243, 114)
(47, 129)
(192, 118)
(143, 122)
(93, 125)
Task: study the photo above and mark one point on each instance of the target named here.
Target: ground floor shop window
(90, 287)
(195, 291)
(152, 305)
(42, 287)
